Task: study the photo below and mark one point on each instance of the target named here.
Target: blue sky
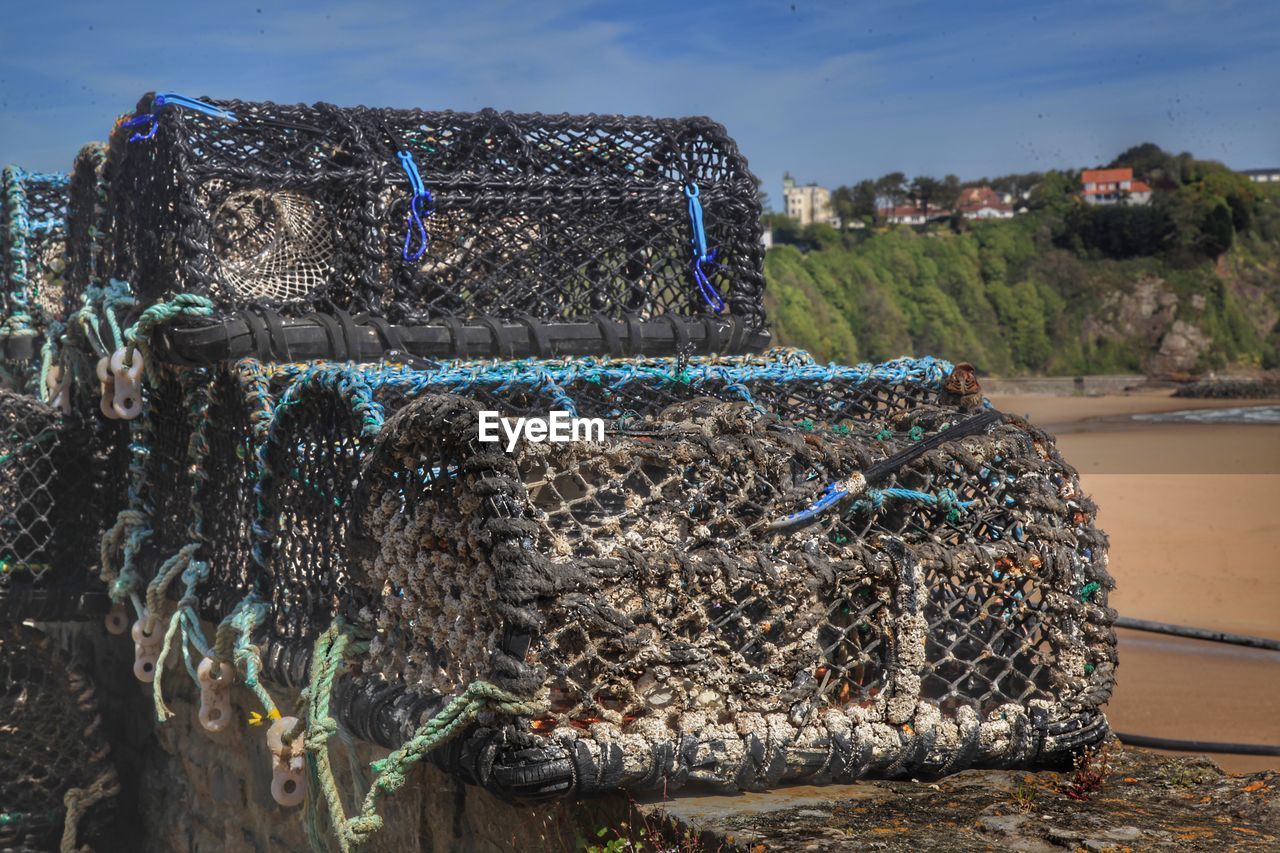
(833, 91)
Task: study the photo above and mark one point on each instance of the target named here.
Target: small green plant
(1024, 795)
(623, 840)
(643, 833)
(1180, 774)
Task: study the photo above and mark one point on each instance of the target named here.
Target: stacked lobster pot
(32, 241)
(763, 569)
(49, 455)
(226, 239)
(321, 232)
(58, 783)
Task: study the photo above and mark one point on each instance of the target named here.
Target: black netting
(952, 614)
(49, 510)
(237, 416)
(87, 225)
(50, 742)
(558, 217)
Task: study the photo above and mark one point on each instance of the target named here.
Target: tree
(1217, 233)
(864, 200)
(948, 193)
(855, 202)
(891, 189)
(923, 191)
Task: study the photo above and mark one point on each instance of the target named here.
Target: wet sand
(1193, 512)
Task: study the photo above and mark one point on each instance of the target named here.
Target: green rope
(182, 305)
(183, 563)
(457, 716)
(126, 536)
(48, 351)
(233, 643)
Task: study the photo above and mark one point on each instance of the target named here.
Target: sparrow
(961, 388)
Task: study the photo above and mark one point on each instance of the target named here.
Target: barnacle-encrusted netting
(50, 743)
(260, 463)
(555, 217)
(953, 616)
(327, 492)
(50, 506)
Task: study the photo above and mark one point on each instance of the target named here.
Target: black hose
(1198, 633)
(1198, 745)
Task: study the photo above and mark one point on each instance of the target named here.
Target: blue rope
(702, 259)
(422, 204)
(176, 100)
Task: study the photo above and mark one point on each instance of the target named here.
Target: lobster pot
(527, 231)
(32, 243)
(88, 226)
(952, 616)
(50, 743)
(50, 508)
(320, 433)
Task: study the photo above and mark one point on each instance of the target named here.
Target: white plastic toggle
(57, 390)
(288, 765)
(216, 678)
(147, 642)
(117, 620)
(127, 395)
(107, 388)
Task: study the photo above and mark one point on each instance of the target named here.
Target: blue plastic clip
(177, 100)
(422, 204)
(702, 259)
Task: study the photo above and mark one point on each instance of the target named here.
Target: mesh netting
(50, 742)
(50, 508)
(984, 548)
(555, 216)
(953, 615)
(87, 227)
(32, 228)
(206, 436)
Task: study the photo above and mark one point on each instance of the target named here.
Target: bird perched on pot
(961, 388)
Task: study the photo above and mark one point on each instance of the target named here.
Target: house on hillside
(1262, 176)
(1113, 186)
(910, 214)
(984, 203)
(808, 204)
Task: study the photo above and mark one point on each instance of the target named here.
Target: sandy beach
(1193, 512)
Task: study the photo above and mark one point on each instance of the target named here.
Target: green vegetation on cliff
(1190, 282)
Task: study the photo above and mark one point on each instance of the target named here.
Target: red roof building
(983, 203)
(1113, 186)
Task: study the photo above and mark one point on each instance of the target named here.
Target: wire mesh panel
(952, 615)
(419, 216)
(50, 743)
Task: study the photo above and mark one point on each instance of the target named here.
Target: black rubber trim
(321, 336)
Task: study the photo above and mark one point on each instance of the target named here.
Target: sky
(831, 91)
